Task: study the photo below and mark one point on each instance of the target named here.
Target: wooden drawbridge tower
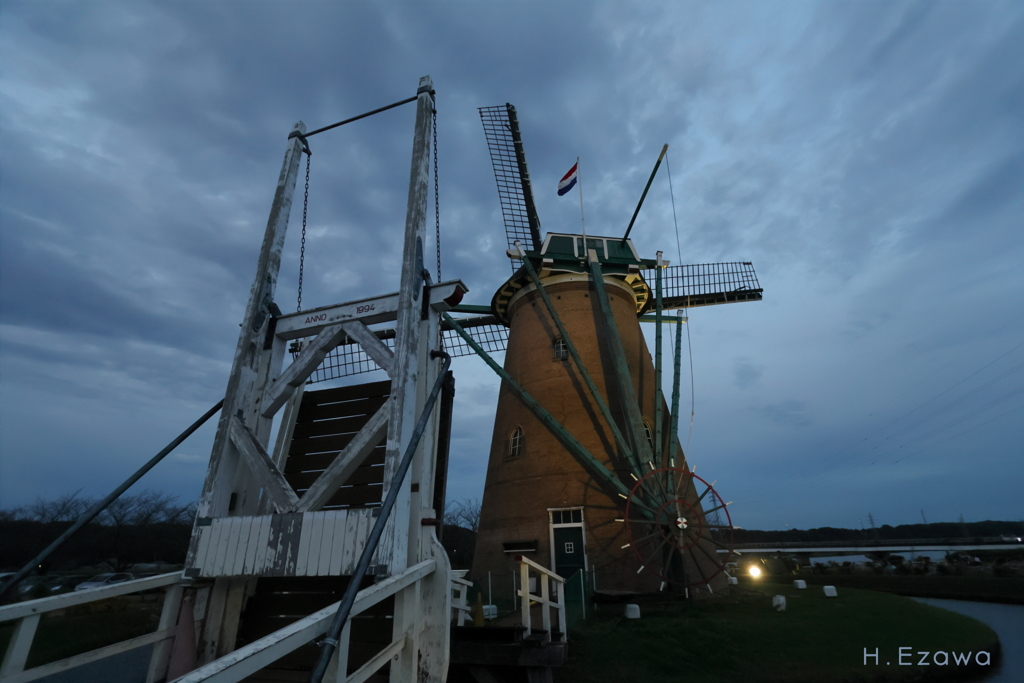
(283, 528)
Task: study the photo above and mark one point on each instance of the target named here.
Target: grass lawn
(59, 637)
(1009, 590)
(741, 638)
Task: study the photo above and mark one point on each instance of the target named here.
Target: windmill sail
(501, 128)
(706, 284)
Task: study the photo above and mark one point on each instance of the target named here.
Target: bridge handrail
(251, 658)
(55, 602)
(544, 599)
(27, 616)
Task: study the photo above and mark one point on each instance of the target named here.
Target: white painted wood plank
(338, 543)
(244, 535)
(315, 543)
(251, 547)
(330, 519)
(308, 553)
(378, 309)
(231, 547)
(259, 563)
(214, 531)
(349, 556)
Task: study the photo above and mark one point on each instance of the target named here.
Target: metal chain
(437, 206)
(302, 249)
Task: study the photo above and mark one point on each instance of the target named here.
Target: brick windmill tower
(585, 470)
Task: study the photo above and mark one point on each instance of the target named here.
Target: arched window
(649, 433)
(515, 443)
(559, 349)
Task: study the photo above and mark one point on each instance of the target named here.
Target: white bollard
(779, 603)
(800, 584)
(830, 591)
(632, 611)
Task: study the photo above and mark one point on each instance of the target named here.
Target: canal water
(1007, 621)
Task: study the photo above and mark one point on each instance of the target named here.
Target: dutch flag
(568, 180)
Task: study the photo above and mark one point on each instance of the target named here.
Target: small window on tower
(515, 443)
(561, 351)
(648, 433)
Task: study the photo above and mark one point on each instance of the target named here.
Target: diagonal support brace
(575, 448)
(623, 380)
(263, 469)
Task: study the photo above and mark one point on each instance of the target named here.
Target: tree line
(151, 526)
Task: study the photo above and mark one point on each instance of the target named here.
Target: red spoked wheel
(678, 527)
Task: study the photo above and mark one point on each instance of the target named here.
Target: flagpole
(583, 222)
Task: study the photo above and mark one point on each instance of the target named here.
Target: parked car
(30, 583)
(63, 584)
(107, 579)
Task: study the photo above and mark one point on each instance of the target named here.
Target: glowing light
(755, 571)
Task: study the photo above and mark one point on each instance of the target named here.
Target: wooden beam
(361, 445)
(374, 347)
(19, 646)
(377, 309)
(263, 468)
(44, 605)
(280, 390)
(38, 672)
(220, 476)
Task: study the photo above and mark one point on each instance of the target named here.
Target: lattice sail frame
(350, 359)
(508, 159)
(707, 284)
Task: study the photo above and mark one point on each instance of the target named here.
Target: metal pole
(675, 390)
(330, 641)
(659, 448)
(100, 506)
(644, 195)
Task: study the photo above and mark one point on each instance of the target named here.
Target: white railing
(249, 659)
(460, 595)
(545, 577)
(27, 615)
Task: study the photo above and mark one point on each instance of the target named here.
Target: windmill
(585, 470)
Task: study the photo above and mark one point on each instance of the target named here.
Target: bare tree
(66, 508)
(464, 512)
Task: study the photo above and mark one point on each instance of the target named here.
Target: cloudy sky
(867, 157)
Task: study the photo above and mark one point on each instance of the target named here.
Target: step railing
(27, 615)
(545, 580)
(460, 596)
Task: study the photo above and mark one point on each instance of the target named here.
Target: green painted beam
(623, 380)
(658, 426)
(575, 448)
(471, 308)
(674, 430)
(601, 404)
